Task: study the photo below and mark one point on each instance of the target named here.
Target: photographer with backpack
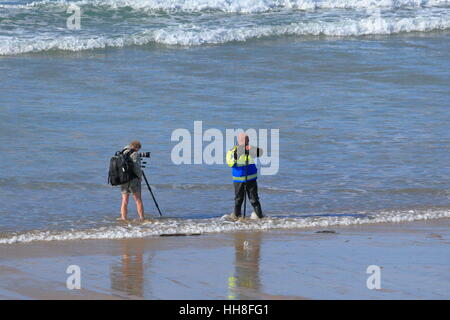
(125, 170)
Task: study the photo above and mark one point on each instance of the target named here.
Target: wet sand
(287, 264)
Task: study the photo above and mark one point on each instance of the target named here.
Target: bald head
(243, 139)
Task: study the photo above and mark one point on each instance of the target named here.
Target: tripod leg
(245, 183)
(150, 189)
(245, 197)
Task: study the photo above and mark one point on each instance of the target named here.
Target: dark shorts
(134, 186)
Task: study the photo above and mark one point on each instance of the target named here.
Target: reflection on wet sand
(246, 282)
(127, 275)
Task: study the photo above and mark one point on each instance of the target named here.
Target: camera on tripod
(141, 154)
(144, 154)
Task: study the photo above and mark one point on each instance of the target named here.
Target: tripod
(246, 176)
(151, 192)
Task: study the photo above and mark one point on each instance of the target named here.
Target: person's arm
(137, 164)
(255, 152)
(232, 156)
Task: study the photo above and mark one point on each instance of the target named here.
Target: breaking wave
(185, 35)
(172, 226)
(40, 26)
(235, 6)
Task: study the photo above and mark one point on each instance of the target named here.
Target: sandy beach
(286, 264)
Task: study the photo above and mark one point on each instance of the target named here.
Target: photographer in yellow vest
(241, 159)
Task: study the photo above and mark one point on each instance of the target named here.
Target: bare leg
(139, 204)
(124, 207)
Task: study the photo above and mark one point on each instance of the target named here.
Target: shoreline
(172, 226)
(269, 264)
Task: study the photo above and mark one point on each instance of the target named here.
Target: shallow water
(363, 119)
(299, 264)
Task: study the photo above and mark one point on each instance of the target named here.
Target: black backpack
(121, 168)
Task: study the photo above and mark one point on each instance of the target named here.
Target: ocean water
(358, 89)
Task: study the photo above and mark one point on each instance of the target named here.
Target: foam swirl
(218, 225)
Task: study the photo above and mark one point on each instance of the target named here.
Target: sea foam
(187, 35)
(223, 224)
(235, 6)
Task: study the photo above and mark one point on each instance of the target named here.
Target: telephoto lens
(144, 154)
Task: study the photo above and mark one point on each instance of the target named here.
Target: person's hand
(242, 149)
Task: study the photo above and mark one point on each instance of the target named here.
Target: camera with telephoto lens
(144, 154)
